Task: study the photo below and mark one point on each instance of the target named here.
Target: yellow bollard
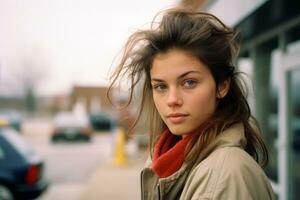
(120, 155)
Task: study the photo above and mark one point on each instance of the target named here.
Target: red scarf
(169, 153)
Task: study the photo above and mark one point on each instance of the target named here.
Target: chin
(180, 130)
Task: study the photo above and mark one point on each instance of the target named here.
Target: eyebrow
(181, 76)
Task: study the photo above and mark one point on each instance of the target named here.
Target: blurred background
(58, 124)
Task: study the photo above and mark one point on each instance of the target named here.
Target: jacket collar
(231, 137)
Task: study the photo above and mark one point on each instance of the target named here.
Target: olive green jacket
(225, 171)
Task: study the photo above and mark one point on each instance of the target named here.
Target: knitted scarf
(169, 153)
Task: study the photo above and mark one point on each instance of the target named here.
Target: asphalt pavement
(115, 182)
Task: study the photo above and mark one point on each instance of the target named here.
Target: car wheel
(5, 193)
(86, 138)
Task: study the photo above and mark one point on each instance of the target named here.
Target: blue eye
(189, 83)
(160, 87)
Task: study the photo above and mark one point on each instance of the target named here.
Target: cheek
(205, 100)
(158, 102)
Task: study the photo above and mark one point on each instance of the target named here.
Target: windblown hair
(214, 44)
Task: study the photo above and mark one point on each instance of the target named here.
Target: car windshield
(70, 120)
(16, 140)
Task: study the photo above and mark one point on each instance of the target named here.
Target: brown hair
(214, 44)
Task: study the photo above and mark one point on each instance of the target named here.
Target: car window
(70, 119)
(17, 141)
(10, 115)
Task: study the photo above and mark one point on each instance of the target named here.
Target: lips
(177, 118)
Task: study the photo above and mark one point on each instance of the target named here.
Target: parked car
(14, 118)
(21, 169)
(102, 121)
(71, 126)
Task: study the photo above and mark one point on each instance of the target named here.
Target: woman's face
(184, 90)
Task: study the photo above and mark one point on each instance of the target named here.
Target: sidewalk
(114, 182)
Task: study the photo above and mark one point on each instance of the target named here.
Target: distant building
(93, 97)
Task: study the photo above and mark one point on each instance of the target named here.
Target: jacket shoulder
(227, 173)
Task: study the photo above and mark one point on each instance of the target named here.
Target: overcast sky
(73, 41)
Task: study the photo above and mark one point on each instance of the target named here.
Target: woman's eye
(189, 83)
(160, 87)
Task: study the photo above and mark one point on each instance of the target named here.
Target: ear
(223, 88)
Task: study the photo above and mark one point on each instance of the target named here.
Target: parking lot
(82, 170)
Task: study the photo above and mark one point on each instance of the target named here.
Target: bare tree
(28, 72)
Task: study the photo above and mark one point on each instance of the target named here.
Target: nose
(174, 98)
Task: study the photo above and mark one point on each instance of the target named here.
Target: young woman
(204, 142)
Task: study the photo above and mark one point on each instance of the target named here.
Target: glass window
(2, 153)
(270, 132)
(17, 141)
(271, 138)
(295, 132)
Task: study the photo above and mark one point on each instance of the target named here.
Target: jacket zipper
(158, 191)
(142, 189)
